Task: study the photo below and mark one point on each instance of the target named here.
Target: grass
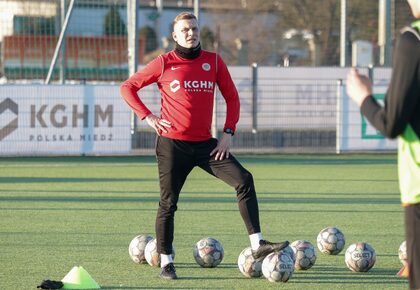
(61, 212)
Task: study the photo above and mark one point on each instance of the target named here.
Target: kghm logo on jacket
(201, 86)
(175, 85)
(11, 126)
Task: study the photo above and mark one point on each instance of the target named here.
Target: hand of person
(158, 124)
(359, 86)
(223, 147)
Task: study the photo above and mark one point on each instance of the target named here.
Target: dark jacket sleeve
(402, 98)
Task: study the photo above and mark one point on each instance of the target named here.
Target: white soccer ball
(208, 252)
(278, 267)
(288, 250)
(305, 255)
(330, 241)
(402, 253)
(136, 248)
(248, 265)
(360, 257)
(151, 254)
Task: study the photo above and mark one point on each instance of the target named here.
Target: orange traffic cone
(403, 272)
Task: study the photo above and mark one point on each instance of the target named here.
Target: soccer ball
(330, 241)
(278, 267)
(360, 257)
(304, 254)
(151, 254)
(248, 265)
(288, 250)
(208, 252)
(402, 253)
(136, 248)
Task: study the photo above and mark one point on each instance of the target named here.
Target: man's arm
(400, 100)
(140, 79)
(128, 90)
(230, 94)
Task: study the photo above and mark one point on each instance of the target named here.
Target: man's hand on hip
(158, 124)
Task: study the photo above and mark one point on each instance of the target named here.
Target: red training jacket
(187, 91)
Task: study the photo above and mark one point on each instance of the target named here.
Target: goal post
(60, 42)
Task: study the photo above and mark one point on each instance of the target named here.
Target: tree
(264, 24)
(322, 19)
(149, 36)
(113, 24)
(35, 25)
(244, 26)
(207, 38)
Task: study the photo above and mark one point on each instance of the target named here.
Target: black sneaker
(267, 247)
(168, 272)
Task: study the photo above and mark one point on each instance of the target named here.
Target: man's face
(186, 33)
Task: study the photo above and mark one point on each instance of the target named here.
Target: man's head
(186, 31)
(415, 7)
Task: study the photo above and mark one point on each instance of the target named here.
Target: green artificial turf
(61, 212)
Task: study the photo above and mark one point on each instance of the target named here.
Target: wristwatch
(229, 131)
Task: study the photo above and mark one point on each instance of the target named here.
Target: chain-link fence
(288, 100)
(278, 33)
(95, 46)
(283, 110)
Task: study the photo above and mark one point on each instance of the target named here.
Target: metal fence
(283, 109)
(95, 43)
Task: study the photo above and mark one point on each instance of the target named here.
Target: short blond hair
(183, 16)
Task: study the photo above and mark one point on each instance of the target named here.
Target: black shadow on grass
(206, 200)
(328, 275)
(31, 179)
(149, 287)
(195, 193)
(83, 209)
(314, 160)
(81, 159)
(332, 200)
(208, 278)
(127, 287)
(329, 194)
(195, 265)
(69, 179)
(78, 199)
(326, 180)
(139, 191)
(262, 159)
(344, 279)
(190, 210)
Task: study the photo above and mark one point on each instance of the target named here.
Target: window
(36, 25)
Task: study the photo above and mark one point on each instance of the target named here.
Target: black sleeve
(402, 97)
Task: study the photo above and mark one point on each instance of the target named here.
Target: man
(400, 117)
(186, 77)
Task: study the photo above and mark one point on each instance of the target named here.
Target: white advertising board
(354, 132)
(65, 119)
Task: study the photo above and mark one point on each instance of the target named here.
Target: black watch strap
(229, 131)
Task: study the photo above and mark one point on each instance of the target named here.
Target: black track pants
(176, 159)
(412, 233)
